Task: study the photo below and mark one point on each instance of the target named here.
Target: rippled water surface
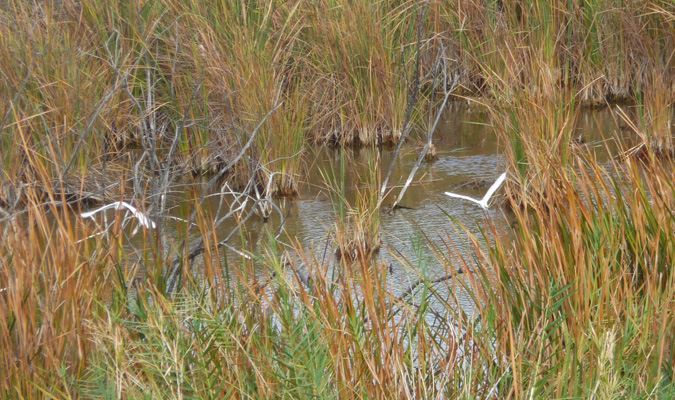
(468, 162)
(416, 236)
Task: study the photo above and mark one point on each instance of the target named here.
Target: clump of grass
(250, 59)
(535, 123)
(357, 211)
(187, 82)
(360, 65)
(337, 334)
(537, 134)
(48, 295)
(576, 305)
(656, 116)
(602, 49)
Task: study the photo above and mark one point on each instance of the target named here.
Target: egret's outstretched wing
(90, 214)
(459, 196)
(494, 188)
(145, 221)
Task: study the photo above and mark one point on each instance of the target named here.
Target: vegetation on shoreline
(102, 101)
(84, 80)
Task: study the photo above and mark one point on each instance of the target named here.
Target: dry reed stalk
(593, 289)
(659, 99)
(590, 261)
(55, 283)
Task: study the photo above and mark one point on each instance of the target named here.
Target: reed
(356, 203)
(48, 297)
(200, 74)
(655, 110)
(360, 62)
(577, 304)
(224, 335)
(585, 282)
(535, 122)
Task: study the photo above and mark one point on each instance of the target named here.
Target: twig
(430, 135)
(414, 286)
(197, 246)
(412, 100)
(98, 110)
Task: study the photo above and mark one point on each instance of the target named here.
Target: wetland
(246, 199)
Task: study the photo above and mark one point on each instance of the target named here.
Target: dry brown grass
(577, 305)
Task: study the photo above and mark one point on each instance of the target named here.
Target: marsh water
(427, 229)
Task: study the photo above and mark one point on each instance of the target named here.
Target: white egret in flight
(484, 201)
(145, 221)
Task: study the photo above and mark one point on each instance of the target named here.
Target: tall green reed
(356, 207)
(576, 304)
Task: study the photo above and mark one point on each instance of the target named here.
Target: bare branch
(412, 100)
(430, 135)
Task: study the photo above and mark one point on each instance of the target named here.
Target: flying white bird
(145, 221)
(484, 201)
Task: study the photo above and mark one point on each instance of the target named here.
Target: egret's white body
(118, 205)
(484, 201)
